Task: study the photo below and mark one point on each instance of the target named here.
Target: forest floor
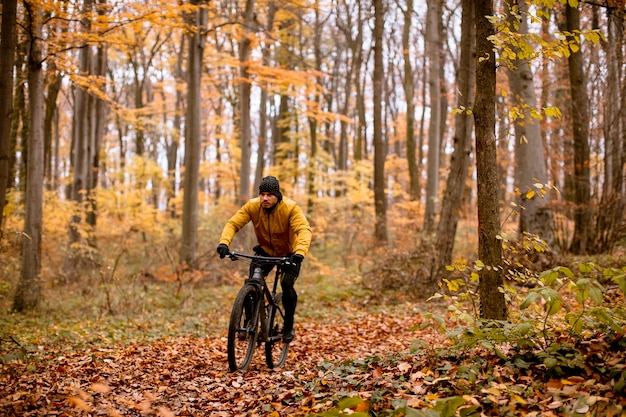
(347, 359)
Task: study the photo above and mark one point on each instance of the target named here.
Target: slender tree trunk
(434, 134)
(244, 105)
(580, 124)
(316, 104)
(492, 303)
(174, 144)
(459, 163)
(193, 136)
(82, 128)
(28, 293)
(380, 202)
(54, 87)
(7, 61)
(611, 212)
(100, 110)
(263, 108)
(409, 91)
(530, 168)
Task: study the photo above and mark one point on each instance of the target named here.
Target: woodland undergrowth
(139, 334)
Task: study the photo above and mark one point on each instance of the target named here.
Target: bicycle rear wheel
(276, 351)
(243, 329)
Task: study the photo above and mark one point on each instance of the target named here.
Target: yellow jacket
(283, 231)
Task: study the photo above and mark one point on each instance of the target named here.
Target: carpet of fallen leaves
(363, 356)
(189, 376)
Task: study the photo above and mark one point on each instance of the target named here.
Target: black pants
(288, 279)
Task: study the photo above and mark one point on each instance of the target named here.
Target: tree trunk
(409, 91)
(580, 125)
(245, 86)
(611, 210)
(193, 137)
(459, 163)
(434, 133)
(535, 216)
(82, 126)
(54, 87)
(7, 61)
(492, 303)
(174, 144)
(100, 110)
(263, 111)
(315, 111)
(380, 202)
(28, 293)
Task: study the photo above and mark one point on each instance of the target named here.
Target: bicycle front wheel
(276, 351)
(243, 329)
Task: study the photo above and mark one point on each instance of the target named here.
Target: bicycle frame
(257, 279)
(257, 316)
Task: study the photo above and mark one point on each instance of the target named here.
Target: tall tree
(583, 233)
(530, 168)
(263, 108)
(245, 86)
(492, 303)
(434, 127)
(28, 293)
(81, 152)
(460, 160)
(193, 132)
(7, 61)
(315, 109)
(409, 91)
(611, 212)
(380, 201)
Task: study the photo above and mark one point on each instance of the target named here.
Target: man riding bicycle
(281, 230)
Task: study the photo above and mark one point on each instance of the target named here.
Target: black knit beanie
(270, 185)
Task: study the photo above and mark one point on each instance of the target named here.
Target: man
(281, 230)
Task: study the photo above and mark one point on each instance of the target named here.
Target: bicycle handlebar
(274, 260)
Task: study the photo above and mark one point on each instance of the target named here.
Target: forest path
(189, 375)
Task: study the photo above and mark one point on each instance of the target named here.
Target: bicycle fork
(260, 313)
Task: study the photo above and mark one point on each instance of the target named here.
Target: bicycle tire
(243, 329)
(276, 350)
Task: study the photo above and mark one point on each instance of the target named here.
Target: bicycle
(257, 316)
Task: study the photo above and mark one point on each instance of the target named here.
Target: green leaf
(548, 277)
(550, 362)
(554, 306)
(447, 406)
(566, 271)
(349, 402)
(530, 298)
(595, 293)
(524, 328)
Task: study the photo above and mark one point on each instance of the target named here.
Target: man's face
(268, 200)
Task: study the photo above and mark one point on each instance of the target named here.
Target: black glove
(222, 250)
(296, 258)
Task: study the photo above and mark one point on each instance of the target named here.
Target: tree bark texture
(611, 211)
(28, 293)
(380, 202)
(434, 132)
(7, 61)
(82, 133)
(245, 88)
(193, 138)
(583, 233)
(492, 303)
(460, 160)
(535, 216)
(409, 93)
